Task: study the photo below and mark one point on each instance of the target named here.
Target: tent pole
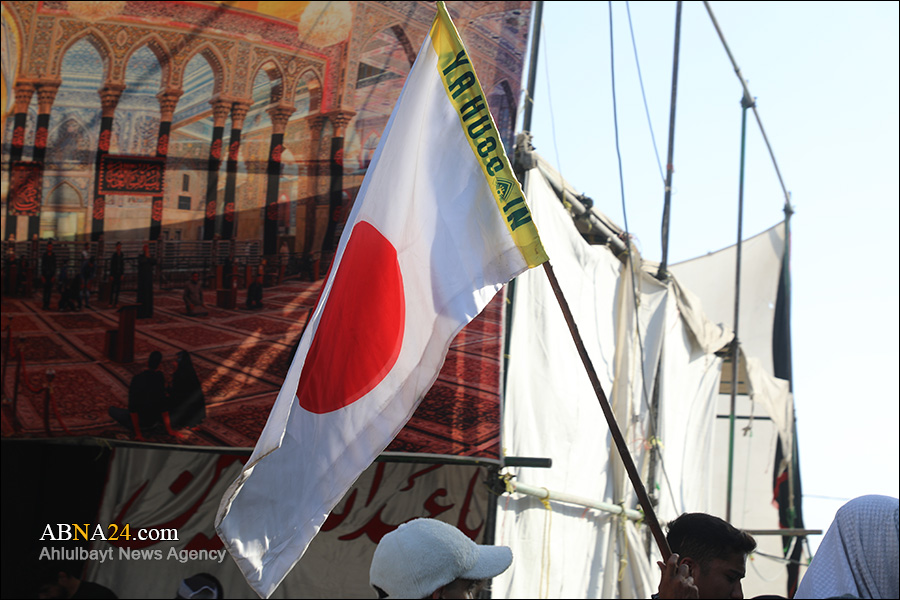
(740, 76)
(490, 529)
(649, 514)
(520, 174)
(661, 274)
(786, 274)
(654, 442)
(746, 102)
(532, 64)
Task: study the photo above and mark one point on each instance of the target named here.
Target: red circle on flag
(360, 333)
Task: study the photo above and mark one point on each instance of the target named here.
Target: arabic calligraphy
(134, 175)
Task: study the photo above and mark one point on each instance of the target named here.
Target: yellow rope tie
(623, 558)
(544, 583)
(640, 522)
(748, 430)
(623, 564)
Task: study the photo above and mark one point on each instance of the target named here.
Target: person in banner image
(193, 296)
(64, 285)
(87, 276)
(255, 294)
(147, 404)
(145, 284)
(427, 558)
(116, 272)
(48, 273)
(21, 276)
(9, 264)
(709, 558)
(60, 584)
(187, 405)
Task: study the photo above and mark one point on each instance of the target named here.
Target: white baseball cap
(423, 555)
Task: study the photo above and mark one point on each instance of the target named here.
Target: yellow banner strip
(468, 98)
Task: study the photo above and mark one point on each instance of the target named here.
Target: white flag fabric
(440, 224)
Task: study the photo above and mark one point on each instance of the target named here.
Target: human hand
(676, 580)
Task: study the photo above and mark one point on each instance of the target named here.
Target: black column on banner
(156, 208)
(221, 109)
(168, 100)
(306, 211)
(23, 91)
(40, 153)
(339, 120)
(234, 145)
(238, 114)
(279, 116)
(46, 95)
(273, 172)
(109, 99)
(98, 215)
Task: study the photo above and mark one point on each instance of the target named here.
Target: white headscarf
(859, 554)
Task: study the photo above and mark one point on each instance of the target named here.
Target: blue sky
(825, 79)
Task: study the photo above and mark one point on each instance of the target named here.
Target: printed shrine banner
(173, 496)
(232, 139)
(439, 226)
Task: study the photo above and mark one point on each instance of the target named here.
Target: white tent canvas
(562, 549)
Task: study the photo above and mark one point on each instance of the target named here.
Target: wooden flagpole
(649, 514)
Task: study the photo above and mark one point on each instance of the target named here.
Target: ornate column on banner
(279, 115)
(168, 100)
(109, 99)
(46, 90)
(339, 119)
(221, 107)
(238, 113)
(306, 208)
(14, 201)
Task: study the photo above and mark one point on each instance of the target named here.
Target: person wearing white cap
(427, 558)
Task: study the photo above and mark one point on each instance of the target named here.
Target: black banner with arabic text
(131, 175)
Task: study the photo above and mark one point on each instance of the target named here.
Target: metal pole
(746, 102)
(532, 63)
(737, 71)
(491, 521)
(661, 273)
(786, 270)
(545, 494)
(654, 442)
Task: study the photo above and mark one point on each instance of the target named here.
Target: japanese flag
(440, 224)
